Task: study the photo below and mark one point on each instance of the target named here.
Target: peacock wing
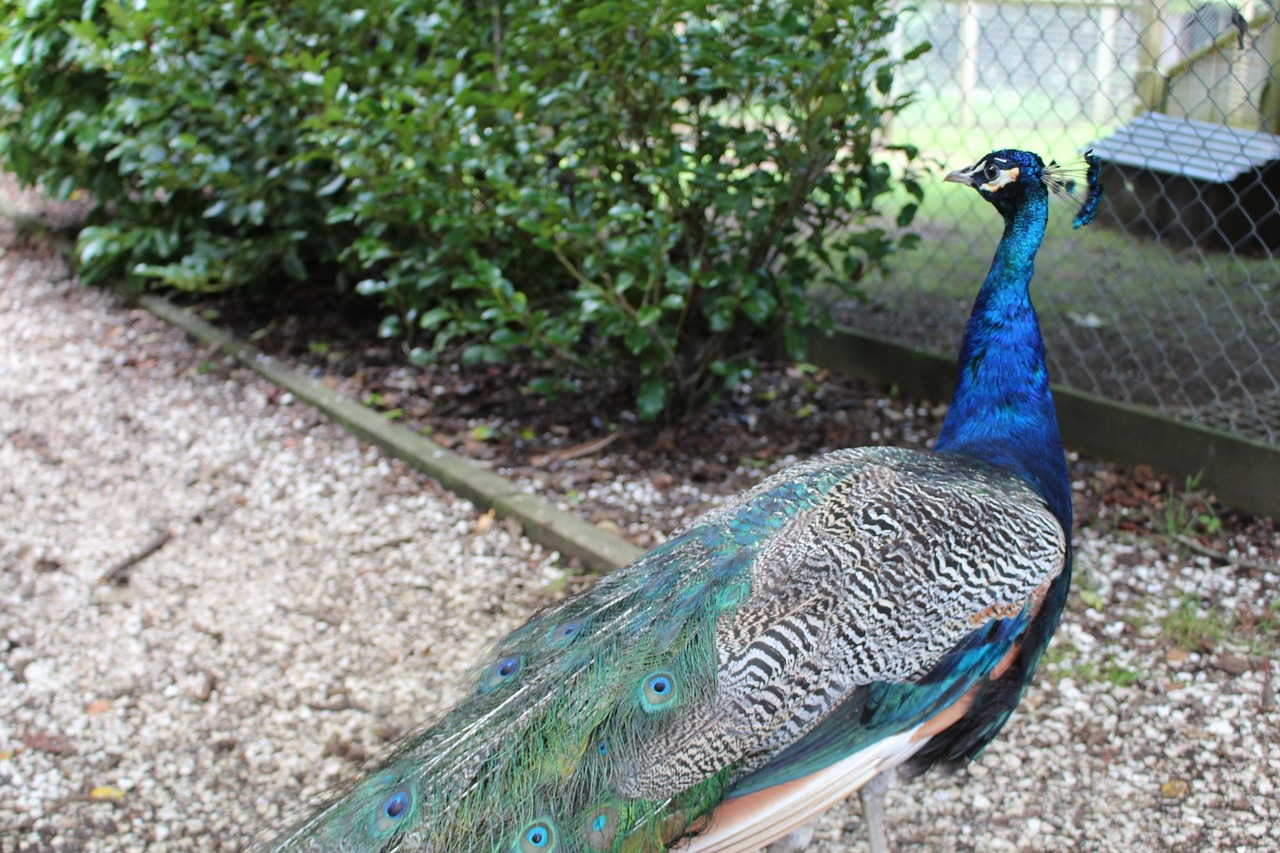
(618, 719)
(870, 625)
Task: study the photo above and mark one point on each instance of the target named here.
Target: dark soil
(566, 446)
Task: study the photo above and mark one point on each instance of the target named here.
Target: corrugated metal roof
(1194, 149)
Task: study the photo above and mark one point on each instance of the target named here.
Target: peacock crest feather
(866, 608)
(1078, 183)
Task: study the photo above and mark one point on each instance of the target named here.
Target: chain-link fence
(1172, 300)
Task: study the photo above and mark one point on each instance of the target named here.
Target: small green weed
(1058, 654)
(1195, 628)
(1091, 599)
(1261, 628)
(1087, 593)
(1270, 623)
(1108, 672)
(1188, 514)
(1063, 660)
(768, 395)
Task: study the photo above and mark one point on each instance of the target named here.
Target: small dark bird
(1241, 25)
(866, 610)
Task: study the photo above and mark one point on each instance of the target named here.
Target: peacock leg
(872, 795)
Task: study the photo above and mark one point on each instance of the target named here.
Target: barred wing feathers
(814, 625)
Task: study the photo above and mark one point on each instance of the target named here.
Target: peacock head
(1008, 178)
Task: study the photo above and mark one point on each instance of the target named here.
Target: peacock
(867, 610)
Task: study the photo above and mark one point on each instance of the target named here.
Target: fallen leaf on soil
(107, 793)
(1175, 788)
(1232, 664)
(45, 742)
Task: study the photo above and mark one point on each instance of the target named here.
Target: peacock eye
(501, 673)
(562, 635)
(537, 837)
(395, 809)
(602, 828)
(657, 691)
(991, 172)
(395, 806)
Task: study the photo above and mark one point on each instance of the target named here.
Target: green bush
(644, 187)
(51, 107)
(182, 119)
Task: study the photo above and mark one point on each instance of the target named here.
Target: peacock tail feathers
(879, 581)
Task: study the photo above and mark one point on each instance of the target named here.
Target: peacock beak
(962, 176)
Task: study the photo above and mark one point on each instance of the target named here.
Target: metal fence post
(1152, 88)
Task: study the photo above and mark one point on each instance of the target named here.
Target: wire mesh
(1171, 300)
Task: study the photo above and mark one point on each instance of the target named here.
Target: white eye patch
(1002, 179)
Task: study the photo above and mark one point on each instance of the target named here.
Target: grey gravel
(307, 600)
(314, 598)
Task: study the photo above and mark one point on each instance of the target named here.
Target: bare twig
(1205, 551)
(118, 575)
(1268, 700)
(341, 703)
(584, 449)
(382, 546)
(328, 615)
(18, 828)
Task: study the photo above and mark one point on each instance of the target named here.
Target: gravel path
(305, 601)
(311, 599)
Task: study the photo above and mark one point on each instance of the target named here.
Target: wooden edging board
(542, 521)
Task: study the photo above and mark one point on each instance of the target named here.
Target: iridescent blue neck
(1002, 411)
